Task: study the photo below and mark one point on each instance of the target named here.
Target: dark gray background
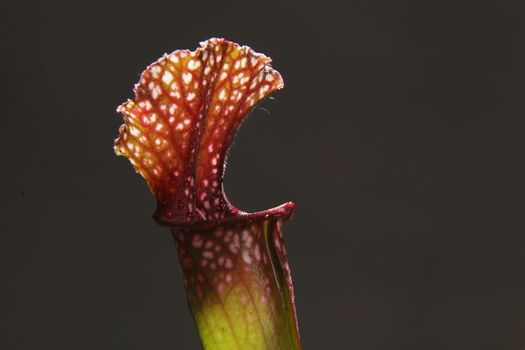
(399, 135)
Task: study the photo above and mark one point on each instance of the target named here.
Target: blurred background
(399, 135)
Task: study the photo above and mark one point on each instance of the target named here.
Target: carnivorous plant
(177, 130)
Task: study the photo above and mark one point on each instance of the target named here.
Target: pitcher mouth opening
(282, 212)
